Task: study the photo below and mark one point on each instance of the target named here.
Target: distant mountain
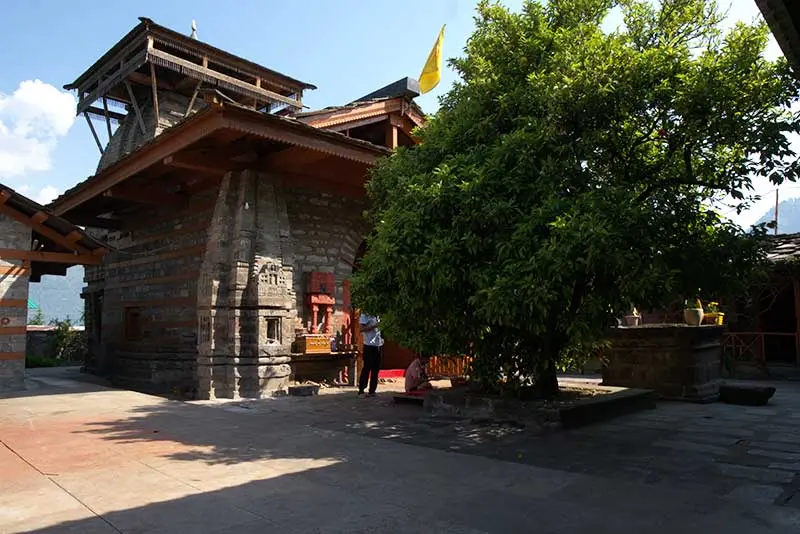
(58, 297)
(788, 216)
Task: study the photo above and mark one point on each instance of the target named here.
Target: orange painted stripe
(12, 355)
(13, 303)
(13, 330)
(19, 270)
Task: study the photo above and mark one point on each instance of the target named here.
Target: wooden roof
(56, 243)
(783, 17)
(220, 138)
(134, 58)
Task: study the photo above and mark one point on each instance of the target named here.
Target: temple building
(232, 217)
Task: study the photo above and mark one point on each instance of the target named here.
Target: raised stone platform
(679, 362)
(600, 403)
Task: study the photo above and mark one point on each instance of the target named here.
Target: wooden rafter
(51, 257)
(194, 97)
(116, 115)
(155, 93)
(40, 228)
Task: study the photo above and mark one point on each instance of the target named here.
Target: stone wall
(141, 304)
(679, 362)
(327, 231)
(13, 305)
(217, 289)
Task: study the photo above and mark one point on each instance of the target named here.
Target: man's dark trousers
(372, 365)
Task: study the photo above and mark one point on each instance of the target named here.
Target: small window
(133, 324)
(273, 330)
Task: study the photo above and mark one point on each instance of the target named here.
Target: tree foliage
(569, 174)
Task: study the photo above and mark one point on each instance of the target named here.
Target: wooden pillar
(391, 135)
(314, 314)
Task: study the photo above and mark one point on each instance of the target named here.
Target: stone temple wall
(327, 231)
(140, 305)
(204, 302)
(13, 305)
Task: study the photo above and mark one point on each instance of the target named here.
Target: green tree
(571, 173)
(38, 318)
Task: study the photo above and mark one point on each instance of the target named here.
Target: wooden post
(135, 105)
(108, 119)
(94, 133)
(155, 93)
(391, 136)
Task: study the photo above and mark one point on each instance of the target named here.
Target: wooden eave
(216, 120)
(56, 243)
(147, 26)
(356, 113)
(783, 18)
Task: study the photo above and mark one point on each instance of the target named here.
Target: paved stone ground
(79, 457)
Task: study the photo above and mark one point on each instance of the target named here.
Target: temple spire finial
(194, 29)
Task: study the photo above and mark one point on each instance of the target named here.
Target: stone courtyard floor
(79, 457)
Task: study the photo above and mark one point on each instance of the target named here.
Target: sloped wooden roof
(783, 18)
(58, 243)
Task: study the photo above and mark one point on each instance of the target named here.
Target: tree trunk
(547, 380)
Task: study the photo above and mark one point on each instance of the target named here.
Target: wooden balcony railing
(448, 366)
(750, 347)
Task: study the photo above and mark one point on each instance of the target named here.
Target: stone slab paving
(77, 457)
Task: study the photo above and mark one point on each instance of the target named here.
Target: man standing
(373, 346)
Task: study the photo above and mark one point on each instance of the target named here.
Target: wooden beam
(205, 164)
(4, 196)
(108, 119)
(111, 113)
(194, 97)
(356, 124)
(52, 257)
(14, 270)
(39, 217)
(353, 114)
(144, 79)
(198, 72)
(13, 303)
(142, 195)
(74, 236)
(94, 133)
(39, 228)
(135, 105)
(155, 91)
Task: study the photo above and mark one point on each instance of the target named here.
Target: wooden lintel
(94, 133)
(40, 228)
(51, 257)
(135, 105)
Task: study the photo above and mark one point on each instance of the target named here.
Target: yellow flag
(432, 71)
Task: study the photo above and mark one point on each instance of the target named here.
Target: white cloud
(32, 118)
(43, 196)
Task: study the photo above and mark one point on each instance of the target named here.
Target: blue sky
(346, 48)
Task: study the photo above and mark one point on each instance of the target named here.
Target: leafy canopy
(569, 175)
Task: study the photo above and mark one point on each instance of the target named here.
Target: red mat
(391, 373)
